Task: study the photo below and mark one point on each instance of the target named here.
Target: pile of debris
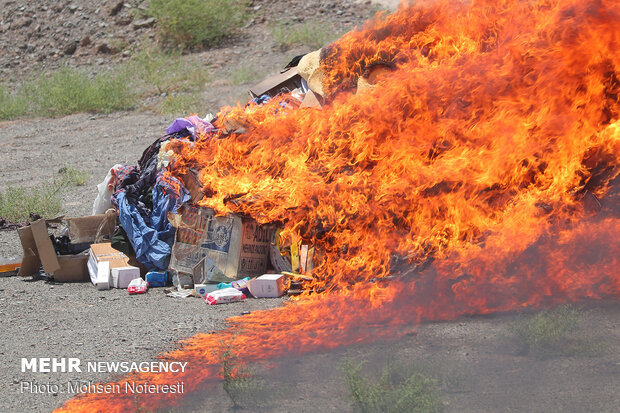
(148, 230)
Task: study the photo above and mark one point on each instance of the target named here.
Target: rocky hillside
(42, 34)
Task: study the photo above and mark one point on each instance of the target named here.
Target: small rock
(116, 9)
(23, 22)
(73, 8)
(140, 24)
(105, 48)
(85, 41)
(123, 20)
(70, 48)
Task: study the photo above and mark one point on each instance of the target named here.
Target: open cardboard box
(92, 228)
(39, 250)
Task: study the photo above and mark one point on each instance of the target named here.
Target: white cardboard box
(267, 286)
(103, 276)
(204, 289)
(122, 276)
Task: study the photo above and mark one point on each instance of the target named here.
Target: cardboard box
(204, 289)
(311, 100)
(192, 183)
(121, 273)
(73, 268)
(288, 79)
(91, 228)
(122, 276)
(39, 251)
(213, 249)
(102, 277)
(268, 286)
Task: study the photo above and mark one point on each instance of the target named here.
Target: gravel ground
(42, 319)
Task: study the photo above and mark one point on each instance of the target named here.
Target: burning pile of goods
(446, 159)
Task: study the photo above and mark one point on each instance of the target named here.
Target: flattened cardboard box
(39, 250)
(208, 246)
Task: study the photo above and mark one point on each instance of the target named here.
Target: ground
(475, 361)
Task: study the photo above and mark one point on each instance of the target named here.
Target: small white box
(204, 289)
(267, 286)
(103, 275)
(122, 276)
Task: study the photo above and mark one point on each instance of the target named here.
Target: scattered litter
(242, 285)
(226, 295)
(147, 228)
(234, 284)
(179, 294)
(137, 286)
(156, 279)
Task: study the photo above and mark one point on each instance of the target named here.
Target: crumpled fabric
(193, 124)
(138, 180)
(152, 236)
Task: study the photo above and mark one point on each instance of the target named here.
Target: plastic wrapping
(226, 295)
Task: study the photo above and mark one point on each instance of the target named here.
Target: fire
(478, 175)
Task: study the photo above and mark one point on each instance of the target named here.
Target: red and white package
(225, 295)
(137, 286)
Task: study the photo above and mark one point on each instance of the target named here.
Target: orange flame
(473, 171)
